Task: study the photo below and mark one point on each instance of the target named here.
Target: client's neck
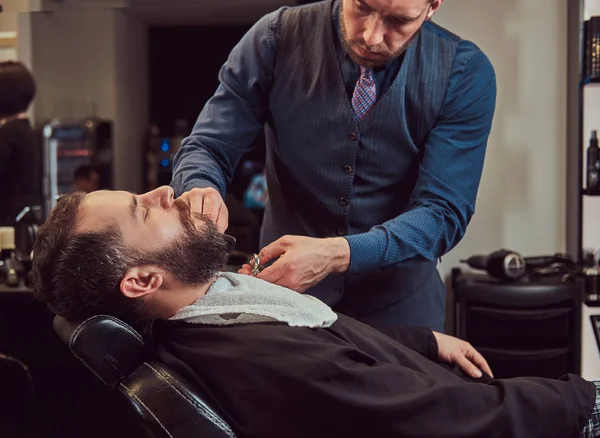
(176, 296)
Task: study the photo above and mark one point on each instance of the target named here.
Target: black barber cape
(272, 380)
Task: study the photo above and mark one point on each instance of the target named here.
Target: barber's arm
(441, 205)
(229, 122)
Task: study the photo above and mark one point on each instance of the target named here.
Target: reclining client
(273, 362)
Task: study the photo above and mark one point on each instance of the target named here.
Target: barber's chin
(368, 60)
(367, 63)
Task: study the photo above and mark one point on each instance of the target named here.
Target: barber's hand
(208, 202)
(461, 353)
(303, 261)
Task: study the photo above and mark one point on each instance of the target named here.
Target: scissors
(255, 265)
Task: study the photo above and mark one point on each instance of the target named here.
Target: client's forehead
(102, 208)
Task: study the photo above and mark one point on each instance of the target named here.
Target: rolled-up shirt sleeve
(232, 119)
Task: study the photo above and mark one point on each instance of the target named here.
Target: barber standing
(376, 122)
(20, 157)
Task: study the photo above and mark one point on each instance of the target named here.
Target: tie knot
(365, 93)
(366, 71)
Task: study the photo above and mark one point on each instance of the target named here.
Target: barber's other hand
(209, 203)
(303, 261)
(461, 353)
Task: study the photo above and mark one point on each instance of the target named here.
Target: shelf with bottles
(591, 52)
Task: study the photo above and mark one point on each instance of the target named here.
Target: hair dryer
(510, 266)
(502, 264)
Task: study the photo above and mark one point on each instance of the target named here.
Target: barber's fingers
(275, 272)
(214, 208)
(245, 269)
(275, 249)
(475, 357)
(223, 218)
(208, 202)
(196, 197)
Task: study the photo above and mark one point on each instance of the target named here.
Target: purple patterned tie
(365, 93)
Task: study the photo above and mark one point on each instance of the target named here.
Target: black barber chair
(17, 399)
(167, 405)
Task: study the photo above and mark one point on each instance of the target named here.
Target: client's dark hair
(79, 275)
(17, 88)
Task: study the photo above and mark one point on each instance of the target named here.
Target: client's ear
(141, 281)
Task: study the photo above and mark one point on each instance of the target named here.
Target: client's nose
(162, 196)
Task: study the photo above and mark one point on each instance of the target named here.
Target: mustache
(379, 49)
(186, 216)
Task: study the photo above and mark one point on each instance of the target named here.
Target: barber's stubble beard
(197, 255)
(368, 63)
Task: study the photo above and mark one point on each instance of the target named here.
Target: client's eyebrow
(133, 207)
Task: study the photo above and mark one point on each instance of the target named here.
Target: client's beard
(197, 255)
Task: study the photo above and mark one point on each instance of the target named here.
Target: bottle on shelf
(11, 267)
(591, 273)
(591, 52)
(593, 166)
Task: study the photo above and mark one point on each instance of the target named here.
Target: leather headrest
(110, 348)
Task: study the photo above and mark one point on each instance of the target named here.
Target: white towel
(242, 299)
